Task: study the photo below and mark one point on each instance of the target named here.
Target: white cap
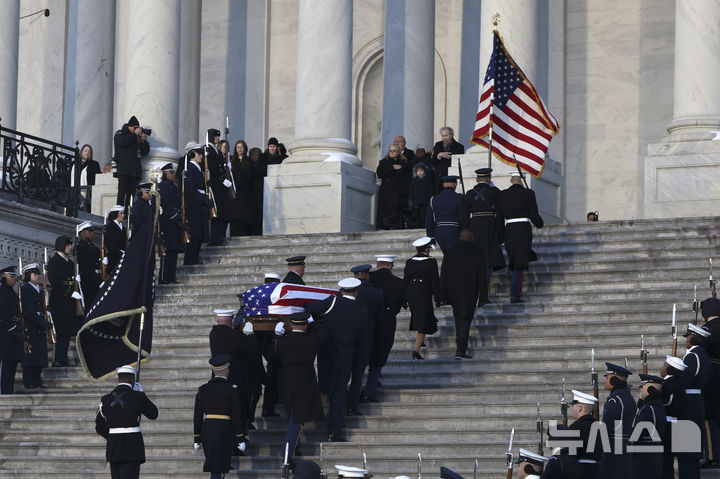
(127, 369)
(424, 241)
(583, 398)
(386, 258)
(117, 208)
(699, 331)
(677, 363)
(248, 329)
(30, 266)
(223, 312)
(272, 275)
(401, 477)
(84, 225)
(349, 471)
(528, 456)
(517, 174)
(349, 283)
(192, 145)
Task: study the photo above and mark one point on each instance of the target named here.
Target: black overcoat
(423, 282)
(393, 192)
(140, 213)
(517, 202)
(61, 274)
(441, 165)
(479, 216)
(463, 279)
(35, 327)
(241, 207)
(293, 278)
(114, 244)
(127, 146)
(170, 216)
(393, 289)
(88, 257)
(11, 343)
(196, 211)
(589, 470)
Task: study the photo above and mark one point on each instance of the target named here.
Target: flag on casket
(281, 299)
(109, 337)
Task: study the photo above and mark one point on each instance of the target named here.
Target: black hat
(449, 179)
(650, 378)
(168, 167)
(220, 362)
(421, 166)
(8, 270)
(615, 369)
(710, 307)
(307, 470)
(61, 242)
(295, 260)
(144, 187)
(133, 121)
(299, 318)
(483, 171)
(363, 268)
(272, 141)
(212, 133)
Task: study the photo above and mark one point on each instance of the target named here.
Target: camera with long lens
(146, 130)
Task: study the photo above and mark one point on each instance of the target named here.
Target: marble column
(9, 39)
(322, 187)
(189, 85)
(148, 62)
(409, 72)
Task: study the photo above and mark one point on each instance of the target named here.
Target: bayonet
(509, 455)
(643, 354)
(563, 404)
(594, 380)
(712, 281)
(419, 466)
(673, 330)
(695, 304)
(540, 429)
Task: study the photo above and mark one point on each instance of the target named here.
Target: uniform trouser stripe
(711, 457)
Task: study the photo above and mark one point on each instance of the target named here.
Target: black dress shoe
(353, 412)
(31, 386)
(416, 355)
(334, 438)
(517, 300)
(460, 356)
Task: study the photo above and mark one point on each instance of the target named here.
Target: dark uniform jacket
(114, 244)
(441, 165)
(217, 434)
(170, 216)
(648, 465)
(61, 273)
(140, 213)
(89, 260)
(620, 406)
(423, 282)
(562, 466)
(195, 202)
(711, 393)
(129, 148)
(297, 381)
(35, 327)
(463, 279)
(11, 341)
(216, 168)
(393, 291)
(517, 202)
(479, 215)
(583, 424)
(250, 373)
(122, 409)
(693, 379)
(445, 209)
(293, 278)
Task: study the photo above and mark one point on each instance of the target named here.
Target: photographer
(130, 146)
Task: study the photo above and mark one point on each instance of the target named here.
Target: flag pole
(139, 356)
(495, 21)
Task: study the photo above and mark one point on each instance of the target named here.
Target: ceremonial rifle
(185, 235)
(643, 354)
(596, 391)
(157, 211)
(695, 305)
(208, 190)
(521, 173)
(21, 318)
(563, 405)
(51, 333)
(509, 456)
(713, 293)
(102, 249)
(286, 465)
(462, 182)
(419, 466)
(79, 303)
(540, 429)
(475, 469)
(674, 333)
(228, 169)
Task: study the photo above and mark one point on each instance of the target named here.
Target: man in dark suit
(296, 270)
(443, 150)
(89, 262)
(197, 204)
(63, 298)
(118, 421)
(130, 146)
(463, 284)
(115, 237)
(171, 225)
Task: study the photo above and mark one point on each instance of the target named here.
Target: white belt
(517, 220)
(448, 223)
(693, 391)
(124, 430)
(671, 418)
(587, 461)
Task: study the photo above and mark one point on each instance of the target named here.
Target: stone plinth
(548, 188)
(329, 197)
(104, 194)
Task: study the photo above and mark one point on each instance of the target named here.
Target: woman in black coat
(258, 185)
(396, 174)
(35, 327)
(238, 211)
(423, 282)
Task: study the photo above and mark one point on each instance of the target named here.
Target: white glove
(76, 295)
(280, 328)
(77, 278)
(241, 446)
(196, 446)
(311, 320)
(101, 285)
(227, 183)
(106, 261)
(248, 329)
(137, 387)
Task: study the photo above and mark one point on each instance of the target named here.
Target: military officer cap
(299, 318)
(677, 363)
(710, 307)
(8, 270)
(449, 179)
(483, 171)
(650, 378)
(61, 242)
(117, 208)
(213, 132)
(127, 369)
(349, 471)
(582, 398)
(349, 284)
(527, 456)
(144, 187)
(306, 470)
(86, 225)
(385, 258)
(193, 146)
(692, 329)
(362, 268)
(221, 312)
(295, 260)
(517, 174)
(617, 370)
(422, 242)
(168, 167)
(32, 268)
(220, 362)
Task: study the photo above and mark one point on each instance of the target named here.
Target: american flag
(521, 123)
(281, 299)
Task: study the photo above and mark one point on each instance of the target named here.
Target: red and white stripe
(291, 298)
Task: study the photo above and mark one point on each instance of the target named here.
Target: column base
(682, 178)
(693, 129)
(156, 159)
(548, 188)
(319, 197)
(104, 193)
(326, 149)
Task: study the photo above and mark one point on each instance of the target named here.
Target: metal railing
(39, 169)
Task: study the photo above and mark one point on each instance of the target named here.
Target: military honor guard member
(530, 465)
(619, 409)
(219, 183)
(89, 262)
(217, 418)
(561, 464)
(479, 216)
(299, 390)
(582, 407)
(648, 464)
(63, 298)
(463, 284)
(271, 278)
(118, 421)
(423, 283)
(372, 299)
(393, 289)
(11, 337)
(444, 213)
(115, 237)
(296, 270)
(250, 373)
(516, 208)
(142, 210)
(711, 394)
(171, 225)
(197, 204)
(35, 327)
(673, 397)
